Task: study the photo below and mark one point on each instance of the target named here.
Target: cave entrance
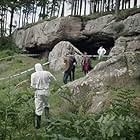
(92, 43)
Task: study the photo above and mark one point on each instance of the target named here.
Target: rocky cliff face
(108, 25)
(46, 35)
(56, 56)
(84, 35)
(122, 68)
(123, 65)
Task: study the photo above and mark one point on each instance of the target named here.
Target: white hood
(38, 67)
(41, 79)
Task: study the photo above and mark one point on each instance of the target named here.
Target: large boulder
(19, 36)
(98, 25)
(103, 30)
(108, 25)
(132, 25)
(122, 67)
(59, 51)
(45, 35)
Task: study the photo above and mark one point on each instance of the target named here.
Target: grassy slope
(18, 64)
(17, 85)
(15, 92)
(17, 88)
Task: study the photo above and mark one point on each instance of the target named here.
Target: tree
(128, 3)
(135, 3)
(13, 4)
(80, 7)
(3, 17)
(85, 7)
(117, 7)
(63, 8)
(123, 1)
(72, 6)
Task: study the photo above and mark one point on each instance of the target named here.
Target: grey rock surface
(122, 67)
(59, 51)
(47, 34)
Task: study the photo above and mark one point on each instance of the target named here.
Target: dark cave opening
(36, 49)
(92, 43)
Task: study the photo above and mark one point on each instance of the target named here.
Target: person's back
(66, 62)
(72, 65)
(72, 61)
(40, 80)
(69, 61)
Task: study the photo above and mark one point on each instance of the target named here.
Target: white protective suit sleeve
(51, 77)
(41, 79)
(33, 84)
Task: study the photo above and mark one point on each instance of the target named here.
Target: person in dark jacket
(69, 68)
(72, 64)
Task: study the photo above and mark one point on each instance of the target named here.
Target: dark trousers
(37, 122)
(69, 73)
(65, 78)
(72, 74)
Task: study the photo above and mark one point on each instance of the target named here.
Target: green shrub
(6, 43)
(74, 127)
(123, 14)
(118, 122)
(19, 61)
(95, 15)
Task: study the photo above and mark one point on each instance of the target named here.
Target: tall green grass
(120, 121)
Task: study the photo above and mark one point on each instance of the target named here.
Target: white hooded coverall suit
(40, 82)
(101, 51)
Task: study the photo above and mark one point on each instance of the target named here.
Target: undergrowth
(119, 121)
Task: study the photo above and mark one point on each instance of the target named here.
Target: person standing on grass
(72, 63)
(101, 52)
(86, 63)
(40, 81)
(67, 70)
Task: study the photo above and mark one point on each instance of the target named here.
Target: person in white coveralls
(40, 81)
(101, 52)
